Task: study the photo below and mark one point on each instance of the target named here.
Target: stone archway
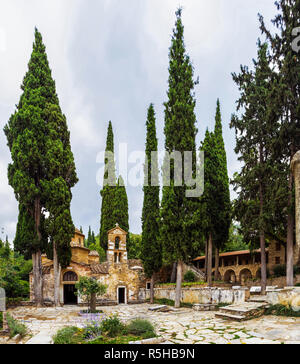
(229, 276)
(245, 275)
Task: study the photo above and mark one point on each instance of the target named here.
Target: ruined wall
(199, 295)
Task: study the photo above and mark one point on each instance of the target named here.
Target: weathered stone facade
(124, 278)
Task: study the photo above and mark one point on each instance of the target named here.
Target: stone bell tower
(117, 251)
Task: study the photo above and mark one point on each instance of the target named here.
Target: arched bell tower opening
(117, 250)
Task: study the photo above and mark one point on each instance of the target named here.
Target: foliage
(14, 272)
(1, 320)
(68, 335)
(281, 310)
(113, 327)
(141, 328)
(179, 231)
(15, 327)
(235, 240)
(135, 246)
(89, 288)
(42, 171)
(92, 330)
(151, 244)
(280, 270)
(108, 219)
(166, 301)
(189, 276)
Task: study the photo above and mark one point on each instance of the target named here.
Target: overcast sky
(110, 61)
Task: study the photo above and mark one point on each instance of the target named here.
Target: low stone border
(153, 341)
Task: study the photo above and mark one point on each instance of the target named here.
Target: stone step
(227, 316)
(247, 311)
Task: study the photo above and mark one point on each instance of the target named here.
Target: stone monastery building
(123, 277)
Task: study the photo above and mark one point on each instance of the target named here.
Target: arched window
(70, 277)
(117, 243)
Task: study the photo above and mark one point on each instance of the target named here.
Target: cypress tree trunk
(152, 290)
(290, 237)
(217, 263)
(38, 272)
(57, 271)
(206, 260)
(178, 284)
(209, 260)
(262, 247)
(174, 273)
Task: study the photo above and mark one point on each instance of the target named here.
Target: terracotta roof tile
(100, 268)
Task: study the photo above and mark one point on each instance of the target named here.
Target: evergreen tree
(286, 105)
(222, 193)
(209, 201)
(120, 208)
(151, 246)
(254, 137)
(177, 230)
(108, 192)
(43, 171)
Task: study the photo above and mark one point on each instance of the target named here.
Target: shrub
(281, 310)
(280, 270)
(297, 285)
(15, 327)
(1, 320)
(189, 276)
(67, 335)
(112, 326)
(141, 328)
(92, 330)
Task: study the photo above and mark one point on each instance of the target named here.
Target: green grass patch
(68, 335)
(167, 302)
(280, 310)
(15, 327)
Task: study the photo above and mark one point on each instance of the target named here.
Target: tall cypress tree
(43, 170)
(108, 192)
(222, 192)
(209, 202)
(151, 246)
(286, 101)
(180, 131)
(120, 208)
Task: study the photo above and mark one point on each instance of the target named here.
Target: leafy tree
(14, 272)
(235, 240)
(254, 137)
(109, 190)
(151, 244)
(178, 231)
(135, 251)
(89, 288)
(286, 107)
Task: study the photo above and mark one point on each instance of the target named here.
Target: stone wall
(199, 295)
(280, 282)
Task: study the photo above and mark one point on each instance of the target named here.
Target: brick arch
(245, 274)
(69, 276)
(229, 274)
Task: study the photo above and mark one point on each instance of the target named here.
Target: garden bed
(106, 330)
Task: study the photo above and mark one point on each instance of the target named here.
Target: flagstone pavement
(180, 326)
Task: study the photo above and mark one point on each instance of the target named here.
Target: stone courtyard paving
(182, 326)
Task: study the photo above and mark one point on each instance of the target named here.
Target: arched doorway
(245, 275)
(229, 276)
(69, 280)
